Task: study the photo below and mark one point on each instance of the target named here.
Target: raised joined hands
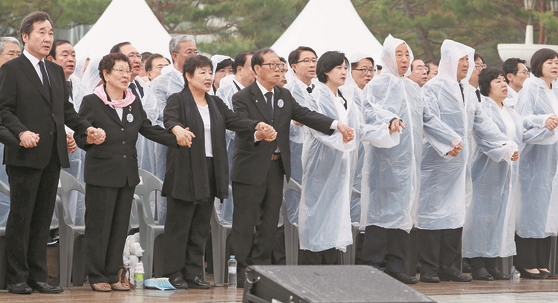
(265, 132)
(183, 136)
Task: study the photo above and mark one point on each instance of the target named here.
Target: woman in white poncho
(441, 207)
(489, 222)
(391, 177)
(537, 208)
(328, 167)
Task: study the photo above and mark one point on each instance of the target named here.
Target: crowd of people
(463, 153)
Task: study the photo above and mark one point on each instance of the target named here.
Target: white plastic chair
(291, 227)
(221, 227)
(149, 230)
(69, 232)
(5, 189)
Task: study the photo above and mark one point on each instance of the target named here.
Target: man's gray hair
(4, 40)
(174, 44)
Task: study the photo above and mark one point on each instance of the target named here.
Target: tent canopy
(328, 25)
(125, 20)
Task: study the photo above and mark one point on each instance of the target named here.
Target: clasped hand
(347, 132)
(456, 150)
(265, 132)
(551, 122)
(395, 126)
(95, 135)
(183, 136)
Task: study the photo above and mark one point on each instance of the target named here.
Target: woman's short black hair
(194, 62)
(538, 59)
(108, 61)
(486, 76)
(327, 62)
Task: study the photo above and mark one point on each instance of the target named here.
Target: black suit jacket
(114, 163)
(26, 105)
(251, 160)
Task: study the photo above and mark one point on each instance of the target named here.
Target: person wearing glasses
(111, 168)
(537, 200)
(328, 165)
(260, 167)
(387, 201)
(474, 78)
(362, 69)
(419, 72)
(516, 72)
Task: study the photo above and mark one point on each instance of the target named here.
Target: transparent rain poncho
(215, 60)
(537, 197)
(444, 178)
(328, 168)
(490, 219)
(391, 177)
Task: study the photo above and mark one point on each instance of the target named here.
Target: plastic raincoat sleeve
(225, 92)
(438, 133)
(296, 133)
(534, 124)
(149, 103)
(489, 138)
(334, 140)
(164, 86)
(375, 126)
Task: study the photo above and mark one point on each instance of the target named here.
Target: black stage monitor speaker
(327, 283)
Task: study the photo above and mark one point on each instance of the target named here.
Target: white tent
(125, 20)
(326, 25)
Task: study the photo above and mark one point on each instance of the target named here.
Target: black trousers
(107, 216)
(480, 262)
(32, 199)
(385, 244)
(439, 250)
(256, 207)
(326, 257)
(532, 252)
(186, 230)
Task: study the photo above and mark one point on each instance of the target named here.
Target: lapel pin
(280, 103)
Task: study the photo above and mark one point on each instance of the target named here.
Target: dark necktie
(269, 99)
(44, 74)
(69, 85)
(478, 95)
(140, 89)
(461, 88)
(310, 88)
(132, 86)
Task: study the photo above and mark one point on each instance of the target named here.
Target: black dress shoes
(178, 282)
(20, 288)
(527, 275)
(429, 277)
(497, 274)
(481, 274)
(548, 275)
(403, 277)
(44, 287)
(455, 276)
(198, 283)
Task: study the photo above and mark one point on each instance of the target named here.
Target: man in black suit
(34, 106)
(258, 166)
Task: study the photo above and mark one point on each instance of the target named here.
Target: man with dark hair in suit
(259, 166)
(34, 106)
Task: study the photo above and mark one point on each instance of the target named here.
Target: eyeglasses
(122, 71)
(365, 70)
(525, 72)
(306, 60)
(480, 66)
(134, 55)
(275, 65)
(423, 68)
